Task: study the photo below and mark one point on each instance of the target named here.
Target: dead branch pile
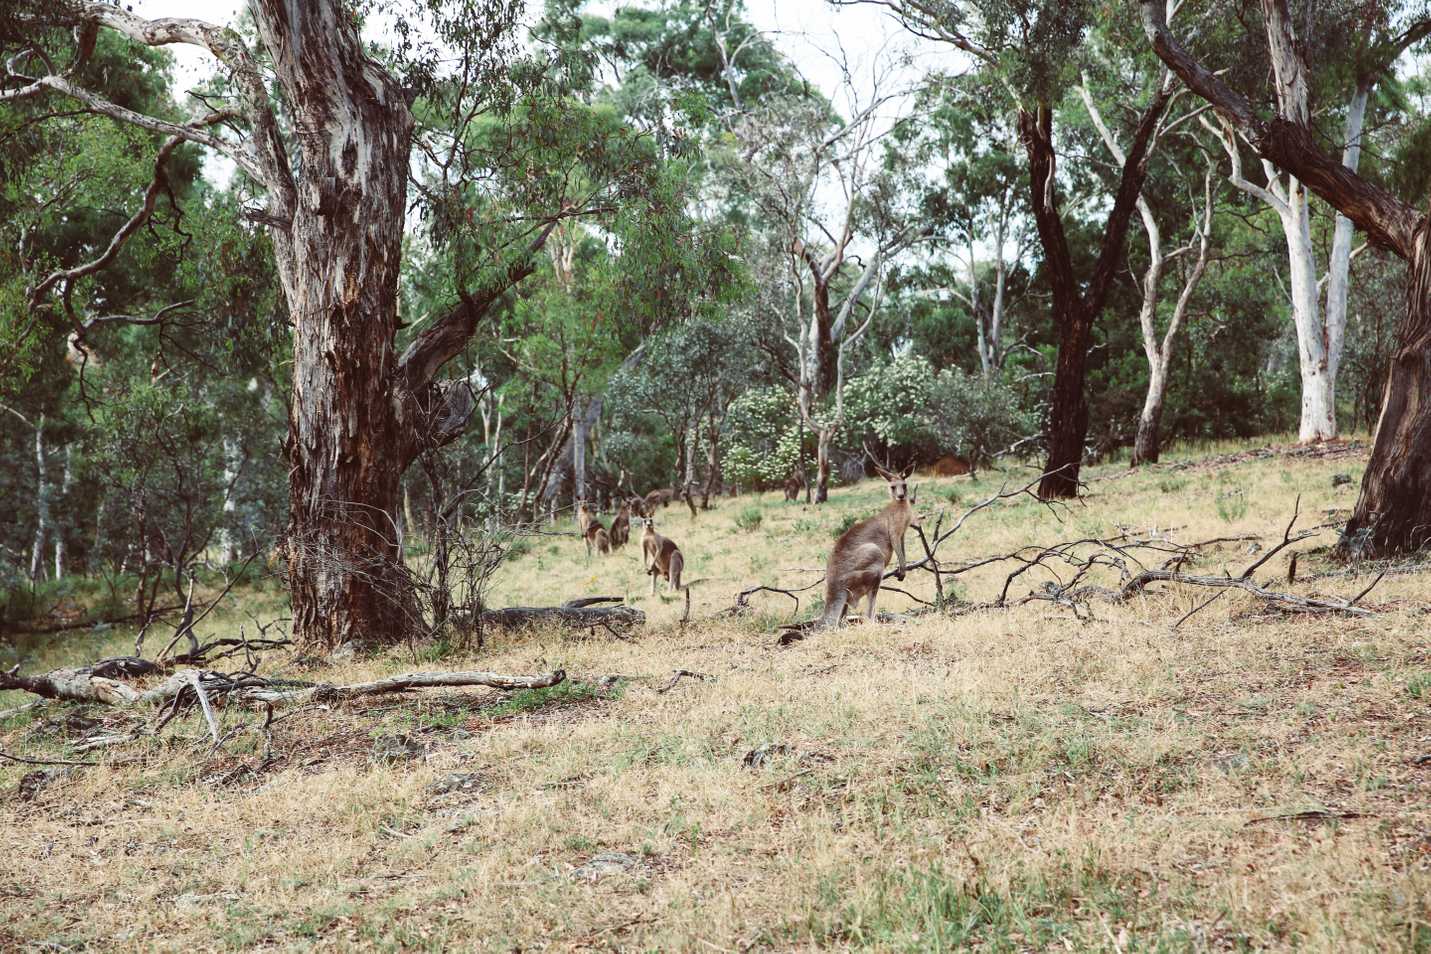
(1139, 561)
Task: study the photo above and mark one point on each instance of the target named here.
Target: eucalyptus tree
(326, 130)
(1031, 49)
(1180, 188)
(965, 173)
(1393, 511)
(833, 215)
(1356, 44)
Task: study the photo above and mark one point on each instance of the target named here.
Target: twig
(196, 678)
(25, 761)
(677, 674)
(1310, 815)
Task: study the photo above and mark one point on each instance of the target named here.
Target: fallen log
(404, 683)
(576, 617)
(83, 685)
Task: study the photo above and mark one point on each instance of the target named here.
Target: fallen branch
(576, 617)
(24, 761)
(1300, 603)
(678, 674)
(404, 683)
(82, 685)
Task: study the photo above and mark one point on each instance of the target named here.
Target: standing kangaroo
(621, 526)
(660, 556)
(592, 531)
(857, 562)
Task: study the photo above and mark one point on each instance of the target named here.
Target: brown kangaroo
(592, 531)
(856, 564)
(660, 556)
(660, 497)
(792, 487)
(621, 526)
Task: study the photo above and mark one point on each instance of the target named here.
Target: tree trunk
(1067, 424)
(822, 463)
(1393, 513)
(1146, 446)
(1076, 304)
(42, 504)
(1318, 419)
(348, 440)
(826, 352)
(578, 457)
(228, 534)
(65, 483)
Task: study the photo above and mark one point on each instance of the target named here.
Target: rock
(1341, 480)
(455, 782)
(397, 748)
(761, 755)
(606, 863)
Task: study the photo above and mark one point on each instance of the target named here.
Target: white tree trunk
(578, 457)
(228, 538)
(1339, 261)
(65, 483)
(1318, 422)
(42, 504)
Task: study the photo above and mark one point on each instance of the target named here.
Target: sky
(811, 33)
(816, 36)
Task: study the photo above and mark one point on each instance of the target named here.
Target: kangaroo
(591, 528)
(621, 526)
(660, 556)
(660, 497)
(856, 564)
(792, 487)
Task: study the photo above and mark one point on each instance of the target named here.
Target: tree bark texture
(348, 438)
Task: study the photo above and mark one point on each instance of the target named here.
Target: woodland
(348, 378)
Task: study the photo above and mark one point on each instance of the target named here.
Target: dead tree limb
(404, 683)
(82, 685)
(576, 617)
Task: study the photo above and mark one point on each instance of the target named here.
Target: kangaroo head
(649, 523)
(898, 487)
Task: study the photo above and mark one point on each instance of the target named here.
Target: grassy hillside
(999, 780)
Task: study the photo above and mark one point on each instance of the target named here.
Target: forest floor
(1003, 780)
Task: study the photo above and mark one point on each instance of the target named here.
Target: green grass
(749, 519)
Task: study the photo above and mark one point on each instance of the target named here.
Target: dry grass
(1000, 781)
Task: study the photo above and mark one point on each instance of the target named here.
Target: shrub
(848, 521)
(904, 405)
(762, 438)
(1232, 504)
(749, 519)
